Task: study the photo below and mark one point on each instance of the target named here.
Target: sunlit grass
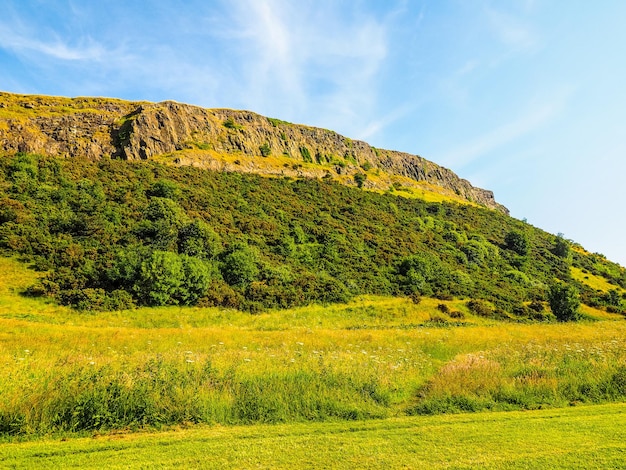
(64, 370)
(575, 437)
(595, 282)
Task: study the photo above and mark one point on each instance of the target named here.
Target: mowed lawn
(575, 437)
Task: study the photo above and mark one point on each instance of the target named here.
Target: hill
(126, 284)
(158, 225)
(217, 139)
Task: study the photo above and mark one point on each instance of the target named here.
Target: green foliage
(109, 226)
(564, 302)
(278, 122)
(199, 239)
(160, 278)
(306, 154)
(359, 179)
(265, 150)
(231, 124)
(517, 242)
(367, 166)
(164, 189)
(241, 266)
(561, 247)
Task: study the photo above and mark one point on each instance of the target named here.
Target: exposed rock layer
(103, 128)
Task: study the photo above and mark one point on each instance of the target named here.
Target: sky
(526, 98)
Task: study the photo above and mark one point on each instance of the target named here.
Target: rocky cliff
(218, 139)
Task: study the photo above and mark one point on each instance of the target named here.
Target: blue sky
(523, 97)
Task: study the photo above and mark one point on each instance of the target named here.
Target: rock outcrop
(219, 139)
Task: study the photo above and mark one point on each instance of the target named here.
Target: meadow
(68, 373)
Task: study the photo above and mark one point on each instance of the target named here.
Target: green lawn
(577, 437)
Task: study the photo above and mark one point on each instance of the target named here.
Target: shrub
(478, 307)
(359, 179)
(164, 188)
(443, 308)
(230, 124)
(265, 150)
(561, 247)
(161, 277)
(199, 239)
(564, 302)
(306, 154)
(517, 242)
(240, 266)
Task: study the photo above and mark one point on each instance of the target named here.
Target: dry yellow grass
(595, 282)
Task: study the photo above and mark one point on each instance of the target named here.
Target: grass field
(580, 437)
(356, 382)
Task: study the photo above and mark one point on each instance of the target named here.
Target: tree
(240, 267)
(198, 239)
(561, 247)
(517, 242)
(265, 150)
(564, 302)
(161, 277)
(197, 276)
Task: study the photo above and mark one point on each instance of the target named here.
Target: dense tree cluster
(114, 234)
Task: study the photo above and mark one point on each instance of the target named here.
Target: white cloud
(533, 119)
(305, 61)
(510, 30)
(24, 43)
(377, 125)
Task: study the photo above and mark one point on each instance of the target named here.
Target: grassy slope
(580, 437)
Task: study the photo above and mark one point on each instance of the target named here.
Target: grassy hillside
(114, 234)
(579, 437)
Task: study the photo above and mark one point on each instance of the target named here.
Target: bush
(359, 179)
(230, 124)
(564, 302)
(265, 150)
(199, 239)
(517, 242)
(443, 308)
(240, 266)
(561, 247)
(478, 307)
(161, 277)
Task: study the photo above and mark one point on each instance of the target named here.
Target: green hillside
(114, 234)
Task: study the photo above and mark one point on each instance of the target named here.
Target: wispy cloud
(378, 124)
(303, 59)
(511, 30)
(22, 41)
(481, 146)
(317, 62)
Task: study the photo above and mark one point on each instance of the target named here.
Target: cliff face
(220, 139)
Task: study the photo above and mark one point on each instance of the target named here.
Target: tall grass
(375, 357)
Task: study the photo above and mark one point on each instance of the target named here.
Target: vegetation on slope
(114, 234)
